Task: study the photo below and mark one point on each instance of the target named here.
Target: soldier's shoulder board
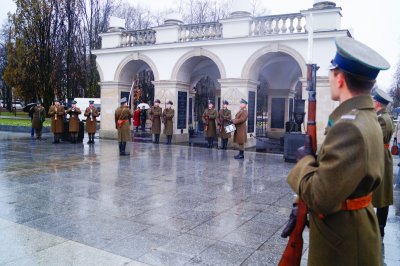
(348, 117)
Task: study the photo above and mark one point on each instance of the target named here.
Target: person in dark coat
(91, 114)
(156, 113)
(143, 118)
(122, 117)
(382, 197)
(210, 126)
(224, 119)
(136, 118)
(57, 113)
(74, 121)
(39, 115)
(240, 135)
(168, 120)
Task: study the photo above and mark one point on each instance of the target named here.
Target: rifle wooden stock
(294, 249)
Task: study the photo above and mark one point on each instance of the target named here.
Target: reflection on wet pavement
(164, 205)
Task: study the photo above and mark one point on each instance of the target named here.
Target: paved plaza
(163, 205)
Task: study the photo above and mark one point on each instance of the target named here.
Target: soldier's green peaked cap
(91, 102)
(356, 58)
(243, 101)
(123, 100)
(381, 96)
(74, 102)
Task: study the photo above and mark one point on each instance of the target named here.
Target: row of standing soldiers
(123, 115)
(57, 113)
(211, 118)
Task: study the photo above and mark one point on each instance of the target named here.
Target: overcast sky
(374, 22)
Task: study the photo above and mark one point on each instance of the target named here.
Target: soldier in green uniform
(224, 119)
(168, 121)
(240, 135)
(210, 126)
(39, 115)
(74, 121)
(338, 183)
(382, 197)
(122, 117)
(57, 113)
(156, 113)
(91, 114)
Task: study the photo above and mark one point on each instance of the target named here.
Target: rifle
(205, 116)
(294, 249)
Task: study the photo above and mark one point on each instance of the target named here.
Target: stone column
(233, 90)
(170, 90)
(110, 100)
(325, 105)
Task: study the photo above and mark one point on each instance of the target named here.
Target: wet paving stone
(163, 205)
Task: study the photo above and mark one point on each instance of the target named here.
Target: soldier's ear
(340, 79)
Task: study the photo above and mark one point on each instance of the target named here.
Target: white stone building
(254, 58)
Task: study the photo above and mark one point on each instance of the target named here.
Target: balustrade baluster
(284, 28)
(299, 27)
(291, 28)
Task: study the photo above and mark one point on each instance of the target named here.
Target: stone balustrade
(200, 32)
(278, 24)
(138, 38)
(258, 26)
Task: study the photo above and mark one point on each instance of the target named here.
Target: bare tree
(258, 9)
(395, 87)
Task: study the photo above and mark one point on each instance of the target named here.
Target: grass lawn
(19, 114)
(19, 122)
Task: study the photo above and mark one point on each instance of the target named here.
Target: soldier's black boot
(240, 155)
(92, 138)
(211, 143)
(120, 148)
(123, 149)
(157, 138)
(225, 144)
(169, 139)
(55, 140)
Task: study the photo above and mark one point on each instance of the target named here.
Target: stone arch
(248, 71)
(196, 53)
(136, 57)
(101, 75)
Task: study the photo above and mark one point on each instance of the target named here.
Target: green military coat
(350, 164)
(91, 119)
(57, 119)
(74, 119)
(168, 120)
(156, 113)
(383, 195)
(224, 118)
(39, 115)
(240, 135)
(209, 117)
(124, 114)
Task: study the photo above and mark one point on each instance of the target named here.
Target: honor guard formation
(350, 174)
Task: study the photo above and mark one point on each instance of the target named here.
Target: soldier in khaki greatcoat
(57, 113)
(210, 126)
(91, 114)
(39, 115)
(155, 114)
(382, 197)
(122, 117)
(240, 135)
(337, 185)
(74, 121)
(224, 119)
(168, 121)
